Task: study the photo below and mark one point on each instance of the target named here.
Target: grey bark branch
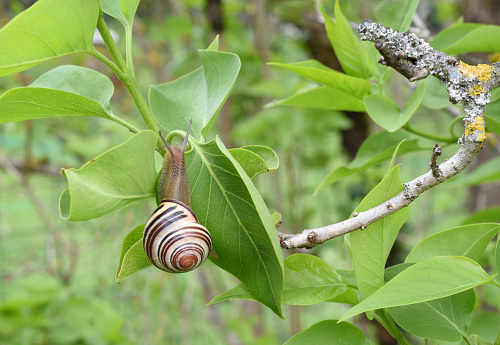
(468, 85)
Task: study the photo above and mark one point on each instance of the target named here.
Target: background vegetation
(57, 278)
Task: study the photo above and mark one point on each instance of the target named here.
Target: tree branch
(469, 85)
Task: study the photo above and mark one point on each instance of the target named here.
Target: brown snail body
(173, 239)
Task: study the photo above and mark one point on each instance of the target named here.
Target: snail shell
(173, 239)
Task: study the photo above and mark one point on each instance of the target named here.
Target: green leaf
(277, 219)
(351, 53)
(198, 95)
(255, 159)
(48, 29)
(468, 240)
(396, 14)
(114, 179)
(467, 37)
(329, 332)
(113, 8)
(322, 97)
(308, 280)
(80, 81)
(26, 103)
(227, 203)
(386, 113)
(64, 91)
(374, 150)
(441, 319)
(315, 71)
(378, 238)
(488, 172)
(487, 215)
(132, 258)
(426, 280)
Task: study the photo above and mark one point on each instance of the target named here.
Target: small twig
(468, 85)
(436, 152)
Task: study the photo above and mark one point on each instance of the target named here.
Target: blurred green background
(57, 278)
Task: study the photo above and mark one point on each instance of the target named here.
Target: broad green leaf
(445, 318)
(493, 123)
(132, 258)
(386, 113)
(117, 177)
(46, 30)
(308, 280)
(80, 81)
(487, 215)
(329, 332)
(351, 53)
(488, 172)
(487, 325)
(436, 96)
(370, 247)
(227, 203)
(322, 97)
(426, 280)
(123, 10)
(467, 37)
(468, 240)
(374, 150)
(396, 14)
(255, 160)
(315, 71)
(198, 95)
(113, 8)
(27, 103)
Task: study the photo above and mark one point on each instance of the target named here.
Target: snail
(173, 239)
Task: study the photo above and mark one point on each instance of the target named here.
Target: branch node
(436, 152)
(355, 214)
(363, 227)
(312, 237)
(379, 43)
(389, 206)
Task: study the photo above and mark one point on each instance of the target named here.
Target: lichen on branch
(468, 85)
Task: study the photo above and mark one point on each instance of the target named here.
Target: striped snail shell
(173, 239)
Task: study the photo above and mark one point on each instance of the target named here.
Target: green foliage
(330, 332)
(378, 238)
(37, 308)
(48, 29)
(119, 176)
(386, 113)
(436, 280)
(437, 277)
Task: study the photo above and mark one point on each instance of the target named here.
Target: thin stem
(410, 129)
(385, 319)
(124, 123)
(126, 75)
(128, 49)
(494, 282)
(111, 44)
(107, 62)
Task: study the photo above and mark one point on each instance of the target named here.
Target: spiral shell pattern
(173, 239)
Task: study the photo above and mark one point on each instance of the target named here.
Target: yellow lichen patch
(476, 90)
(470, 128)
(481, 72)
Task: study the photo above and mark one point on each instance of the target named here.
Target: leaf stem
(128, 49)
(125, 74)
(410, 129)
(124, 123)
(110, 43)
(385, 319)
